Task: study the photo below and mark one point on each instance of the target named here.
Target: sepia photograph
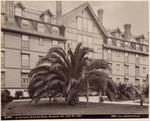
(74, 60)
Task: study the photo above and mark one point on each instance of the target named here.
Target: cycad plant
(70, 74)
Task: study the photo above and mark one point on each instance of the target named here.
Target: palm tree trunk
(87, 94)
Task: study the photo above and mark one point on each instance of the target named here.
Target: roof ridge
(34, 9)
(74, 8)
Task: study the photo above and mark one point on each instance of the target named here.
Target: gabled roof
(110, 31)
(47, 11)
(139, 36)
(115, 30)
(68, 17)
(19, 4)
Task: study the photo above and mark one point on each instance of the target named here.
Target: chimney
(58, 11)
(127, 32)
(100, 15)
(10, 10)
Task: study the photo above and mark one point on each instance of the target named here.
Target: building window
(99, 50)
(90, 55)
(18, 11)
(79, 38)
(95, 48)
(41, 42)
(110, 65)
(55, 43)
(79, 23)
(85, 24)
(25, 80)
(2, 38)
(25, 41)
(2, 58)
(118, 53)
(47, 19)
(144, 69)
(90, 26)
(68, 43)
(117, 35)
(144, 48)
(144, 80)
(126, 70)
(137, 83)
(40, 27)
(118, 43)
(2, 79)
(126, 80)
(55, 30)
(2, 18)
(144, 57)
(25, 60)
(137, 47)
(25, 24)
(109, 41)
(137, 71)
(136, 58)
(85, 40)
(74, 44)
(118, 67)
(90, 42)
(118, 80)
(109, 55)
(40, 57)
(126, 44)
(126, 57)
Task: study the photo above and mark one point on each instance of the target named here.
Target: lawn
(60, 108)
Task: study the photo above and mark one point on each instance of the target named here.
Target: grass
(60, 108)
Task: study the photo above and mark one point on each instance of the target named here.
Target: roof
(139, 36)
(68, 17)
(19, 4)
(110, 31)
(115, 30)
(47, 11)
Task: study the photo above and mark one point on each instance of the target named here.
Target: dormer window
(25, 24)
(117, 35)
(19, 7)
(109, 42)
(144, 48)
(2, 18)
(126, 44)
(118, 43)
(18, 11)
(55, 30)
(137, 47)
(47, 19)
(40, 27)
(46, 16)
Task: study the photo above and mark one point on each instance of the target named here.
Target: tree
(70, 74)
(125, 91)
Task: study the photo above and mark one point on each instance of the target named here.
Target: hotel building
(27, 34)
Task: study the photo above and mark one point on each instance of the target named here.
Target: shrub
(5, 99)
(18, 94)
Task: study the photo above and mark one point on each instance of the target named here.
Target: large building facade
(27, 34)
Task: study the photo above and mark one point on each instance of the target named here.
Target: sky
(116, 13)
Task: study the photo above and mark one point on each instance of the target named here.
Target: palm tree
(69, 73)
(125, 91)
